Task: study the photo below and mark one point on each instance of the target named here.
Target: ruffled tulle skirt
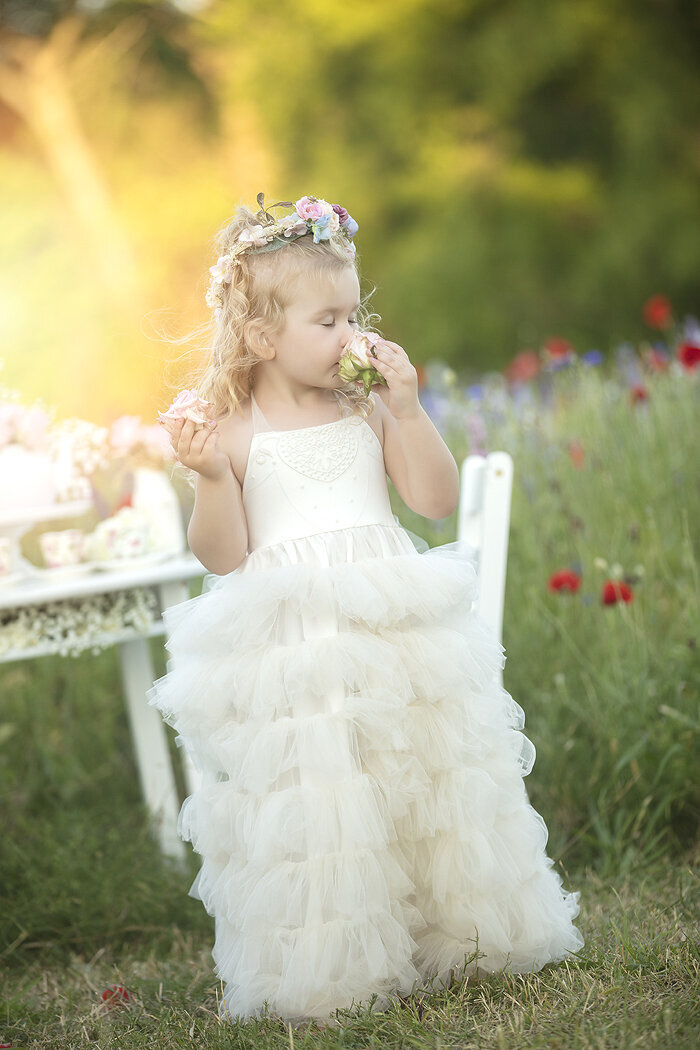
(362, 819)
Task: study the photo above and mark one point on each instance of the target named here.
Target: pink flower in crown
(293, 225)
(310, 209)
(341, 213)
(222, 269)
(187, 405)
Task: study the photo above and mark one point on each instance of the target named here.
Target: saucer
(152, 558)
(58, 572)
(9, 578)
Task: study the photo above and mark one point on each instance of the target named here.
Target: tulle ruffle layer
(363, 822)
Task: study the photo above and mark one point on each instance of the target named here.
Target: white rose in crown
(356, 363)
(187, 405)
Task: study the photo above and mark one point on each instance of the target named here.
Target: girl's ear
(257, 340)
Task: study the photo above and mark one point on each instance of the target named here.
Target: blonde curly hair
(261, 288)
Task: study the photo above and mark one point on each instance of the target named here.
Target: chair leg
(151, 745)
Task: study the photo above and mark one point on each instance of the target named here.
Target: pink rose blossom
(357, 364)
(125, 433)
(359, 346)
(32, 428)
(187, 405)
(9, 422)
(309, 209)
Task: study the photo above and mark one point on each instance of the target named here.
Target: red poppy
(658, 311)
(638, 392)
(689, 355)
(525, 365)
(556, 347)
(115, 996)
(577, 454)
(564, 580)
(615, 591)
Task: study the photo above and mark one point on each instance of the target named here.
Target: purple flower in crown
(293, 225)
(346, 220)
(350, 226)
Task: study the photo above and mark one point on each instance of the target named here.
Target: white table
(169, 580)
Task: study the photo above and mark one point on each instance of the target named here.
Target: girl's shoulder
(235, 435)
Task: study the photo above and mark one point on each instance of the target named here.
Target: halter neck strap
(259, 421)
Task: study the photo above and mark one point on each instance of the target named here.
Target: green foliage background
(518, 170)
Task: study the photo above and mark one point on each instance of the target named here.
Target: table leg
(151, 744)
(173, 592)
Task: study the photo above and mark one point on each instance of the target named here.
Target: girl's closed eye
(329, 324)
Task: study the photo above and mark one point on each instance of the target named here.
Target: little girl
(362, 819)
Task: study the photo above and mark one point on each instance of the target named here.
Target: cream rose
(356, 364)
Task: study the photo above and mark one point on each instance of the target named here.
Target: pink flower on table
(9, 419)
(187, 405)
(125, 433)
(32, 427)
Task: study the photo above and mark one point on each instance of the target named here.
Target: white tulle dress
(362, 821)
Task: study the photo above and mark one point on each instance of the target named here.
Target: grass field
(635, 984)
(610, 695)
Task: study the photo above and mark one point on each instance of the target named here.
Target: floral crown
(311, 215)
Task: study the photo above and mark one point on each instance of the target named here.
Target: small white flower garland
(77, 624)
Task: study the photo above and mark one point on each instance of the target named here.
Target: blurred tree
(39, 40)
(520, 168)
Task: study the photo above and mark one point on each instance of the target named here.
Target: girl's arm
(218, 530)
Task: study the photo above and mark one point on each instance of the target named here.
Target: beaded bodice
(313, 479)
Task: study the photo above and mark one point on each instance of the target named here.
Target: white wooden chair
(483, 522)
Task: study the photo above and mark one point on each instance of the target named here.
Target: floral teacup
(62, 548)
(126, 541)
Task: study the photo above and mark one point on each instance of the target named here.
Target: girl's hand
(400, 395)
(196, 448)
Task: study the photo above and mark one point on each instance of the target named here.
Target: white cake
(26, 479)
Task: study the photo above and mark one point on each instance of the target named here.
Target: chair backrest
(483, 523)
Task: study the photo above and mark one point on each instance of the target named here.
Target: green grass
(611, 703)
(634, 985)
(611, 694)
